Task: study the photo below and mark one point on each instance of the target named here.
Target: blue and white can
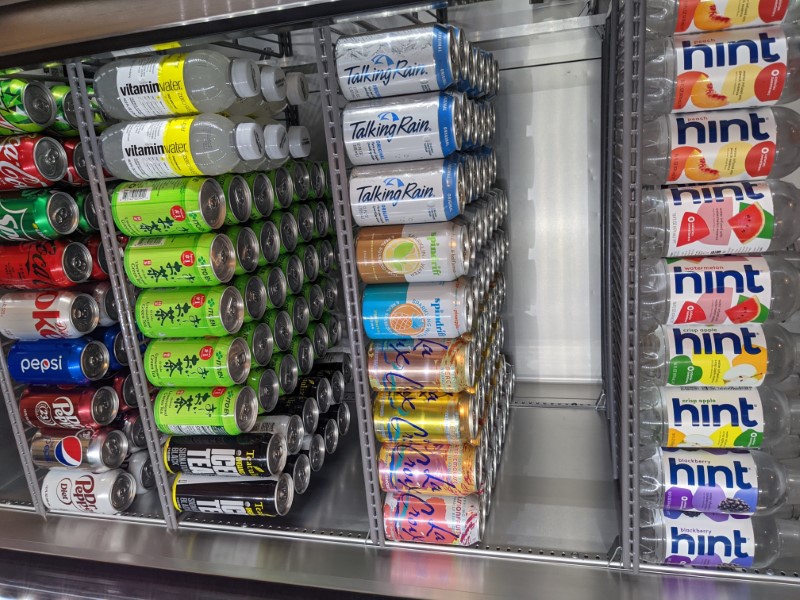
(407, 60)
(430, 191)
(403, 129)
(58, 362)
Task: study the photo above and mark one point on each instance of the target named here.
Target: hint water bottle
(727, 218)
(719, 355)
(704, 541)
(740, 482)
(728, 145)
(722, 70)
(175, 84)
(718, 290)
(760, 417)
(668, 17)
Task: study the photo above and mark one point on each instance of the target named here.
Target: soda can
(44, 264)
(288, 230)
(394, 62)
(114, 342)
(339, 415)
(313, 446)
(333, 362)
(259, 340)
(462, 46)
(31, 161)
(245, 455)
(206, 410)
(87, 217)
(418, 310)
(195, 362)
(430, 191)
(332, 223)
(269, 242)
(289, 426)
(426, 519)
(66, 121)
(293, 269)
(435, 469)
(317, 181)
(304, 217)
(305, 407)
(469, 131)
(190, 312)
(200, 259)
(140, 466)
(94, 244)
(247, 496)
(280, 322)
(103, 295)
(266, 386)
(77, 172)
(262, 193)
(318, 333)
(47, 315)
(416, 365)
(303, 351)
(299, 468)
(283, 185)
(325, 253)
(254, 296)
(301, 181)
(238, 199)
(310, 259)
(334, 327)
(247, 248)
(130, 423)
(74, 408)
(25, 107)
(58, 362)
(319, 388)
(453, 423)
(329, 430)
(123, 385)
(80, 491)
(97, 450)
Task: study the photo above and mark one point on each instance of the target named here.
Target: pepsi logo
(44, 413)
(69, 451)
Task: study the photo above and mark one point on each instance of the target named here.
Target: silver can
(140, 466)
(263, 195)
(97, 450)
(321, 219)
(305, 221)
(283, 185)
(308, 254)
(133, 427)
(303, 351)
(326, 257)
(330, 433)
(297, 307)
(313, 446)
(287, 229)
(330, 291)
(285, 365)
(80, 491)
(315, 297)
(318, 333)
(289, 426)
(280, 322)
(292, 266)
(299, 467)
(269, 242)
(259, 340)
(47, 315)
(103, 294)
(462, 44)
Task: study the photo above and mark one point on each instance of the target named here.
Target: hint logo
(42, 365)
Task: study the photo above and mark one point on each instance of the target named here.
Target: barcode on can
(148, 242)
(134, 195)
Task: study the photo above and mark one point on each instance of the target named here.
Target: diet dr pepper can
(206, 411)
(58, 362)
(226, 456)
(30, 161)
(44, 264)
(79, 491)
(47, 407)
(97, 450)
(47, 315)
(37, 215)
(197, 361)
(190, 312)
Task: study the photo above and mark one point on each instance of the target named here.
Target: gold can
(423, 364)
(449, 420)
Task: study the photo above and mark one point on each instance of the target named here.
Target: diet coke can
(43, 315)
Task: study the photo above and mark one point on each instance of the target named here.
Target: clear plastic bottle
(187, 146)
(670, 216)
(277, 153)
(716, 481)
(669, 86)
(684, 417)
(709, 290)
(665, 162)
(200, 81)
(756, 542)
(271, 100)
(782, 357)
(668, 17)
(247, 166)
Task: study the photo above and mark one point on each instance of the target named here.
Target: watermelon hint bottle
(747, 217)
(718, 290)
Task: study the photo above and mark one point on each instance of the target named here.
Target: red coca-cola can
(77, 173)
(99, 260)
(44, 264)
(68, 408)
(30, 161)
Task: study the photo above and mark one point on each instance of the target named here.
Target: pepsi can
(97, 450)
(58, 362)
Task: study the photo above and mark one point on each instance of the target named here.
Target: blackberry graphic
(733, 505)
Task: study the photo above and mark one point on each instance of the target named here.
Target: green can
(321, 219)
(282, 184)
(200, 259)
(315, 296)
(334, 325)
(25, 107)
(303, 352)
(318, 333)
(206, 410)
(325, 252)
(300, 179)
(37, 215)
(310, 257)
(280, 322)
(288, 230)
(304, 216)
(331, 220)
(259, 339)
(245, 243)
(254, 294)
(189, 312)
(275, 286)
(297, 307)
(268, 390)
(238, 199)
(285, 366)
(328, 183)
(263, 194)
(87, 217)
(269, 242)
(66, 123)
(168, 206)
(293, 269)
(316, 176)
(209, 362)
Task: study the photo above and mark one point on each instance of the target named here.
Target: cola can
(266, 386)
(47, 315)
(254, 296)
(269, 241)
(114, 341)
(299, 467)
(289, 426)
(44, 264)
(94, 244)
(318, 333)
(58, 362)
(103, 295)
(126, 390)
(80, 491)
(77, 172)
(313, 446)
(140, 466)
(132, 425)
(305, 407)
(97, 450)
(31, 161)
(246, 455)
(74, 408)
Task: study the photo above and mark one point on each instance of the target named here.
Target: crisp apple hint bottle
(669, 17)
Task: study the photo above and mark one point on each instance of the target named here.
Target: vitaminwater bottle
(718, 290)
(719, 355)
(248, 166)
(180, 147)
(674, 417)
(175, 84)
(729, 145)
(727, 218)
(726, 70)
(740, 482)
(271, 100)
(698, 540)
(668, 17)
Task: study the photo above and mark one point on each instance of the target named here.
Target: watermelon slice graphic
(749, 310)
(747, 225)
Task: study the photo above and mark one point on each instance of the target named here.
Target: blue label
(441, 56)
(447, 137)
(450, 189)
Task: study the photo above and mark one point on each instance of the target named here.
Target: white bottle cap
(276, 142)
(273, 84)
(244, 77)
(299, 142)
(249, 141)
(296, 88)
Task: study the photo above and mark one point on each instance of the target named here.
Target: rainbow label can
(435, 469)
(426, 519)
(440, 423)
(425, 364)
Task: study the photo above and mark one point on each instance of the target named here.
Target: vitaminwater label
(702, 541)
(709, 481)
(718, 15)
(730, 70)
(713, 419)
(729, 218)
(151, 87)
(716, 356)
(146, 49)
(731, 145)
(719, 290)
(159, 149)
